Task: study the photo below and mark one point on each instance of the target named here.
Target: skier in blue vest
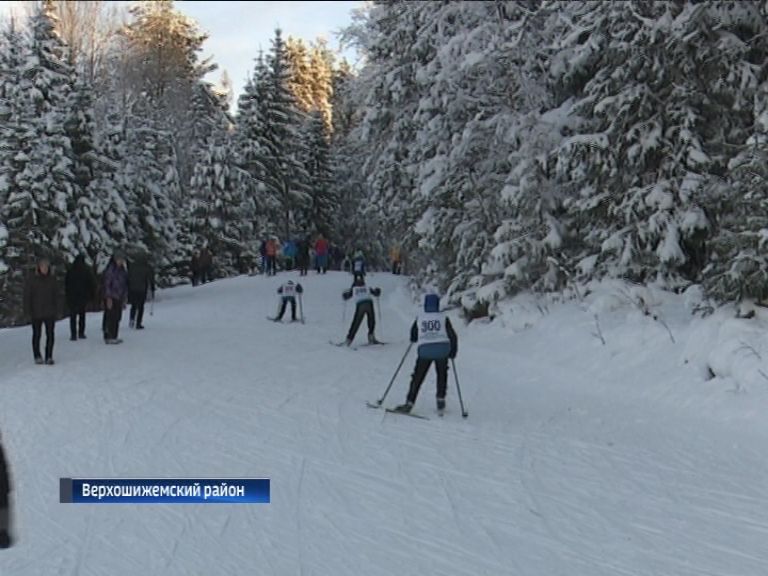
(363, 296)
(437, 342)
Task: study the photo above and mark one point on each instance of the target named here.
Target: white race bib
(432, 328)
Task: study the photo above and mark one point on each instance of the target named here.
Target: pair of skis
(343, 344)
(393, 411)
(290, 321)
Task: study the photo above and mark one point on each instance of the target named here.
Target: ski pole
(464, 413)
(152, 306)
(301, 309)
(379, 402)
(344, 314)
(381, 319)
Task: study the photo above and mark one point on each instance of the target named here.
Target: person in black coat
(363, 296)
(80, 289)
(41, 307)
(5, 505)
(141, 279)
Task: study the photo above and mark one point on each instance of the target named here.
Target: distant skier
(358, 265)
(363, 296)
(115, 293)
(141, 279)
(437, 342)
(41, 306)
(80, 289)
(5, 504)
(288, 293)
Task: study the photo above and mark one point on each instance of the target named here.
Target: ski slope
(577, 459)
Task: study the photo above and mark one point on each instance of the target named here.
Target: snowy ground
(577, 459)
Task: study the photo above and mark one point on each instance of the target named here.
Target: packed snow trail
(577, 459)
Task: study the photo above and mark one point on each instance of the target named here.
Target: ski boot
(404, 408)
(440, 406)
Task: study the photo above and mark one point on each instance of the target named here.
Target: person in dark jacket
(437, 342)
(5, 504)
(363, 296)
(205, 263)
(194, 267)
(141, 279)
(303, 255)
(41, 306)
(115, 293)
(80, 289)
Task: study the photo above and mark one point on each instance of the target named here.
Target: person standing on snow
(80, 289)
(205, 262)
(363, 296)
(288, 293)
(437, 342)
(141, 279)
(303, 255)
(358, 265)
(271, 251)
(115, 293)
(321, 254)
(41, 306)
(5, 505)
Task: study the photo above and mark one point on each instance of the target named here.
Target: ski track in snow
(575, 459)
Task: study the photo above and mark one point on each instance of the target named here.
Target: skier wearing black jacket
(80, 288)
(437, 342)
(363, 296)
(5, 508)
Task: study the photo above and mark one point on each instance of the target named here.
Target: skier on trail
(141, 279)
(437, 342)
(115, 293)
(363, 296)
(41, 306)
(5, 505)
(358, 265)
(80, 289)
(288, 293)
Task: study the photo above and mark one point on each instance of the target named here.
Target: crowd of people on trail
(123, 282)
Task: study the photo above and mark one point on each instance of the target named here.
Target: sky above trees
(238, 29)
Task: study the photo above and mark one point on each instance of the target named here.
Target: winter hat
(431, 303)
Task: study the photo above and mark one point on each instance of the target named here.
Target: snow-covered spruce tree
(738, 206)
(259, 206)
(152, 183)
(217, 218)
(42, 188)
(164, 68)
(281, 146)
(438, 103)
(320, 216)
(664, 91)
